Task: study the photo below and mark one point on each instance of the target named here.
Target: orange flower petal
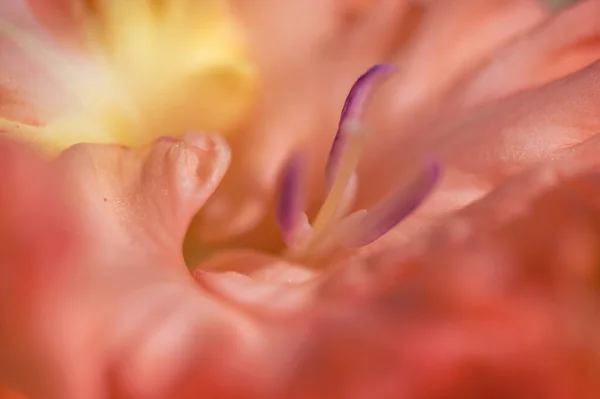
(562, 45)
(452, 39)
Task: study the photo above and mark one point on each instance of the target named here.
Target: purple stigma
(352, 110)
(290, 206)
(390, 212)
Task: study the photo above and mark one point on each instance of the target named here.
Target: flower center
(333, 227)
(153, 68)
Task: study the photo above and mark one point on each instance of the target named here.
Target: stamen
(303, 246)
(367, 226)
(347, 148)
(350, 118)
(347, 201)
(290, 208)
(362, 227)
(348, 164)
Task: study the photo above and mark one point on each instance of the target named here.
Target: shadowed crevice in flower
(331, 228)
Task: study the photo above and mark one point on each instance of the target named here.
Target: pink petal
(452, 39)
(61, 19)
(29, 91)
(560, 46)
(481, 146)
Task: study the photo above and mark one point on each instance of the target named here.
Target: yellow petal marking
(160, 68)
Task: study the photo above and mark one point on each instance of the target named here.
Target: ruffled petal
(160, 186)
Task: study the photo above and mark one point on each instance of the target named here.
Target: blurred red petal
(32, 215)
(509, 309)
(8, 394)
(36, 244)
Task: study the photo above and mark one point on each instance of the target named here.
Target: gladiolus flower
(489, 288)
